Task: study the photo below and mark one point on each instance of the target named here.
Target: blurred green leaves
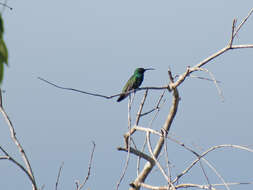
(3, 50)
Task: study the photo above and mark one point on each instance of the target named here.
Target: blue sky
(95, 46)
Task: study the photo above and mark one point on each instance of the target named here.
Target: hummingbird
(133, 83)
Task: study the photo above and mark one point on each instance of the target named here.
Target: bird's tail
(122, 97)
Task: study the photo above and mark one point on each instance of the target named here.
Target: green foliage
(1, 26)
(1, 72)
(3, 50)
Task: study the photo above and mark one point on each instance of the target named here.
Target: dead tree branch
(28, 169)
(78, 185)
(101, 95)
(148, 166)
(8, 157)
(190, 185)
(58, 176)
(205, 153)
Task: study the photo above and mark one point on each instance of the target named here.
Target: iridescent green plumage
(133, 83)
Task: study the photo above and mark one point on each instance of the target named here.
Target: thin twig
(204, 172)
(166, 154)
(128, 141)
(156, 161)
(216, 173)
(58, 176)
(230, 46)
(138, 153)
(4, 6)
(80, 186)
(130, 102)
(189, 185)
(205, 153)
(232, 33)
(7, 156)
(213, 185)
(101, 95)
(203, 78)
(125, 167)
(215, 82)
(242, 23)
(158, 107)
(139, 113)
(209, 164)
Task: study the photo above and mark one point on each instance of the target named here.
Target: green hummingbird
(133, 83)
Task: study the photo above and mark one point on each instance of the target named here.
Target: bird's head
(142, 70)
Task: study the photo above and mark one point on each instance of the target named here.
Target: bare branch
(157, 187)
(5, 6)
(242, 23)
(242, 46)
(139, 114)
(127, 141)
(216, 173)
(138, 153)
(166, 154)
(148, 130)
(232, 33)
(78, 185)
(132, 130)
(127, 136)
(205, 153)
(220, 52)
(198, 155)
(4, 157)
(8, 157)
(173, 87)
(154, 158)
(203, 78)
(189, 185)
(125, 167)
(204, 172)
(139, 128)
(214, 80)
(157, 107)
(148, 167)
(58, 176)
(101, 95)
(201, 156)
(19, 146)
(130, 101)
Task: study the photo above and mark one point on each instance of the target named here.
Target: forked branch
(28, 169)
(137, 183)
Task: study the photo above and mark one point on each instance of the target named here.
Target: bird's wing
(129, 85)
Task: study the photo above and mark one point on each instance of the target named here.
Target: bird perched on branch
(133, 83)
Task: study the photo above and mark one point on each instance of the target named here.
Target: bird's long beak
(149, 69)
